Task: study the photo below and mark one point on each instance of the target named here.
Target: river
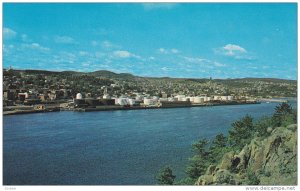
(111, 147)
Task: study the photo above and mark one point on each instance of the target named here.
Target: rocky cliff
(265, 161)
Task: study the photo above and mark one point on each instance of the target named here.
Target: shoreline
(116, 107)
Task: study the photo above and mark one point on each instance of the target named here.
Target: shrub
(165, 176)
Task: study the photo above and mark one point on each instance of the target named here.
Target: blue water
(112, 147)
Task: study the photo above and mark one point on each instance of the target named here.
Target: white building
(79, 96)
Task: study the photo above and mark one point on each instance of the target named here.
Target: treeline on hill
(208, 153)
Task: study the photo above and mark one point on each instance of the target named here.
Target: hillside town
(30, 91)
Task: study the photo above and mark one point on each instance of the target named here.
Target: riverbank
(117, 107)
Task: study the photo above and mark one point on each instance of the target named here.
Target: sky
(185, 40)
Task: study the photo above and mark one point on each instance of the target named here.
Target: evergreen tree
(242, 132)
(282, 113)
(200, 161)
(165, 176)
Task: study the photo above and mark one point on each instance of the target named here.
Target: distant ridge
(110, 74)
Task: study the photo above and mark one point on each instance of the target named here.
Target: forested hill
(252, 87)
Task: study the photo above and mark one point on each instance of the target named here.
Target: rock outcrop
(268, 161)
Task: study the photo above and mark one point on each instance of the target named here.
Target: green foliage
(262, 125)
(219, 141)
(185, 181)
(165, 176)
(252, 179)
(218, 148)
(241, 133)
(197, 167)
(281, 114)
(200, 161)
(200, 147)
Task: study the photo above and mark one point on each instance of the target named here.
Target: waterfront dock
(117, 107)
(274, 100)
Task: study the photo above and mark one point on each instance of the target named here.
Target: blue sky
(194, 40)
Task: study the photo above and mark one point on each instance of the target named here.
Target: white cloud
(85, 64)
(234, 51)
(168, 51)
(153, 6)
(219, 64)
(166, 69)
(195, 59)
(9, 33)
(83, 53)
(109, 45)
(99, 54)
(203, 61)
(35, 46)
(124, 54)
(174, 50)
(25, 38)
(8, 48)
(162, 50)
(64, 40)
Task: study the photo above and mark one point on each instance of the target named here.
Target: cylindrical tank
(148, 101)
(171, 99)
(155, 98)
(224, 98)
(191, 99)
(106, 96)
(139, 98)
(183, 99)
(123, 101)
(79, 96)
(198, 99)
(229, 98)
(131, 101)
(163, 99)
(217, 98)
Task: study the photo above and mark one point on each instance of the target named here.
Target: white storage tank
(224, 98)
(191, 99)
(229, 98)
(217, 97)
(148, 101)
(79, 96)
(171, 99)
(180, 97)
(106, 96)
(131, 101)
(155, 98)
(123, 101)
(183, 99)
(139, 98)
(198, 99)
(163, 99)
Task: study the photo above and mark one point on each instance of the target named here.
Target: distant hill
(109, 74)
(127, 76)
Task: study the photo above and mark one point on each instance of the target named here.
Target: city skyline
(198, 40)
